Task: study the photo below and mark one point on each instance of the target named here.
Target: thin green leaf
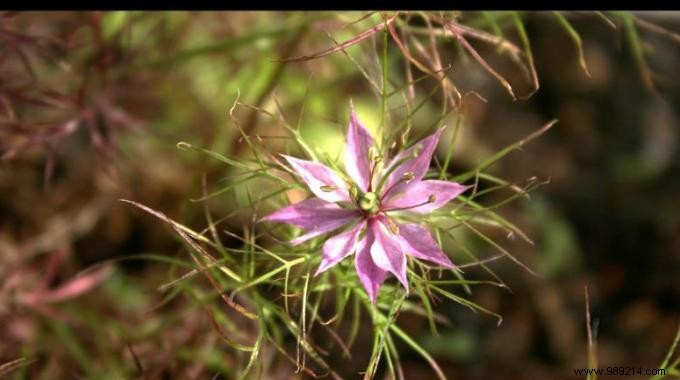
(502, 153)
(576, 38)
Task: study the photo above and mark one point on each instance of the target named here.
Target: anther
(353, 192)
(408, 177)
(430, 199)
(393, 226)
(373, 153)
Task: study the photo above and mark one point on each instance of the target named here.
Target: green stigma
(369, 202)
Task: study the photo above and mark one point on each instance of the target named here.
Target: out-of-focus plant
(78, 87)
(86, 74)
(669, 368)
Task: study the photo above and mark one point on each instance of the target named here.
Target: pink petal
(318, 231)
(339, 246)
(417, 241)
(315, 215)
(73, 288)
(359, 141)
(387, 253)
(318, 177)
(418, 162)
(419, 193)
(311, 214)
(370, 275)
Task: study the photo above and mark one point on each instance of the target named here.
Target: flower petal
(417, 241)
(419, 193)
(338, 247)
(311, 214)
(415, 159)
(321, 180)
(370, 275)
(319, 231)
(71, 289)
(386, 252)
(359, 141)
(314, 215)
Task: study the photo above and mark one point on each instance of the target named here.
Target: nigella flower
(365, 204)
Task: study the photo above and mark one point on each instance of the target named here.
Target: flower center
(369, 202)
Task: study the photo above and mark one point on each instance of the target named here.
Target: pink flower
(365, 203)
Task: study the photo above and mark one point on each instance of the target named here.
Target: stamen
(389, 171)
(373, 153)
(430, 199)
(375, 158)
(408, 177)
(353, 192)
(328, 189)
(393, 226)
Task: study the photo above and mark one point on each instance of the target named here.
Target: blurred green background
(92, 105)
